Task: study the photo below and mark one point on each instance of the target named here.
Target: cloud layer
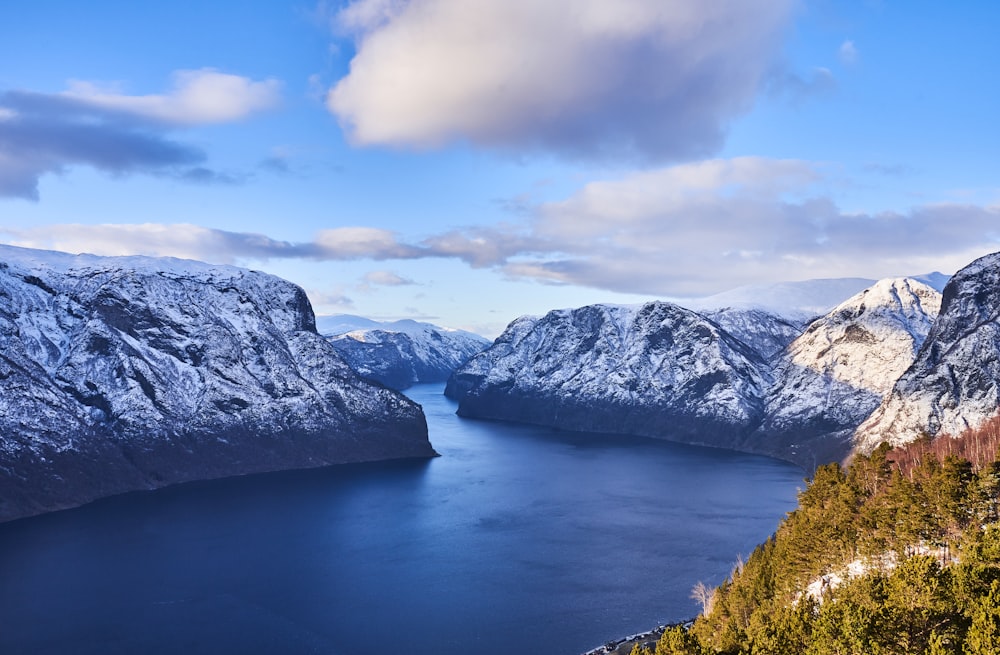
(119, 134)
(686, 230)
(632, 79)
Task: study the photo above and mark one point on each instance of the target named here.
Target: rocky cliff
(954, 383)
(133, 373)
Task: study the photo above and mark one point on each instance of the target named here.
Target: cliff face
(404, 353)
(132, 373)
(954, 383)
(657, 370)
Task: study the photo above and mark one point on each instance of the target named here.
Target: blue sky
(469, 161)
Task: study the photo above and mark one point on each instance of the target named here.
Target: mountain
(797, 301)
(954, 383)
(735, 378)
(766, 333)
(837, 372)
(133, 373)
(401, 353)
(657, 370)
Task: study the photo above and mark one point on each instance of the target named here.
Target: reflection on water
(517, 539)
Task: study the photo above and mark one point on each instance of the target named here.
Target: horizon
(571, 153)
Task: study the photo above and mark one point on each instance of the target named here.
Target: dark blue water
(516, 540)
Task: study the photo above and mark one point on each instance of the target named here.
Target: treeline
(902, 552)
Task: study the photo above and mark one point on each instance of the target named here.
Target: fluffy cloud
(642, 79)
(48, 133)
(691, 230)
(198, 97)
(385, 279)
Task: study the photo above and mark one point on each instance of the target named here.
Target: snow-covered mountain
(954, 383)
(766, 333)
(800, 301)
(736, 378)
(797, 301)
(832, 376)
(401, 353)
(133, 373)
(658, 370)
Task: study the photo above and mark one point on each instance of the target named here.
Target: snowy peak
(953, 383)
(833, 375)
(870, 339)
(796, 301)
(402, 353)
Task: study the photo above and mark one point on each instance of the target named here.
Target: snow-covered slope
(658, 370)
(134, 373)
(766, 333)
(954, 383)
(403, 353)
(833, 375)
(798, 301)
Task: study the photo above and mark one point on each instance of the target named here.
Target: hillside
(898, 554)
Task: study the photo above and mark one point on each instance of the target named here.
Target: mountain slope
(954, 384)
(403, 353)
(657, 370)
(133, 373)
(836, 373)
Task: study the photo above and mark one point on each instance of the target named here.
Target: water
(516, 540)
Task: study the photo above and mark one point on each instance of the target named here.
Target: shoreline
(624, 645)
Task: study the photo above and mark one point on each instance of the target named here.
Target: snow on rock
(954, 384)
(122, 373)
(739, 378)
(403, 353)
(656, 370)
(767, 333)
(800, 301)
(836, 373)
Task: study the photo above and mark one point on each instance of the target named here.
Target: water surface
(517, 540)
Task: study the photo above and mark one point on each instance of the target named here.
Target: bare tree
(704, 595)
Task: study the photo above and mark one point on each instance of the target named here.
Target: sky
(466, 162)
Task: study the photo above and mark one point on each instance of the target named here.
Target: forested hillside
(897, 554)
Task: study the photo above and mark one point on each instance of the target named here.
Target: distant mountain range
(402, 353)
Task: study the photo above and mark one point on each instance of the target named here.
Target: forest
(896, 553)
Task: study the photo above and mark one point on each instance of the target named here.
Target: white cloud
(692, 229)
(848, 53)
(198, 97)
(386, 279)
(362, 243)
(640, 79)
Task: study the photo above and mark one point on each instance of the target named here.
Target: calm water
(516, 540)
